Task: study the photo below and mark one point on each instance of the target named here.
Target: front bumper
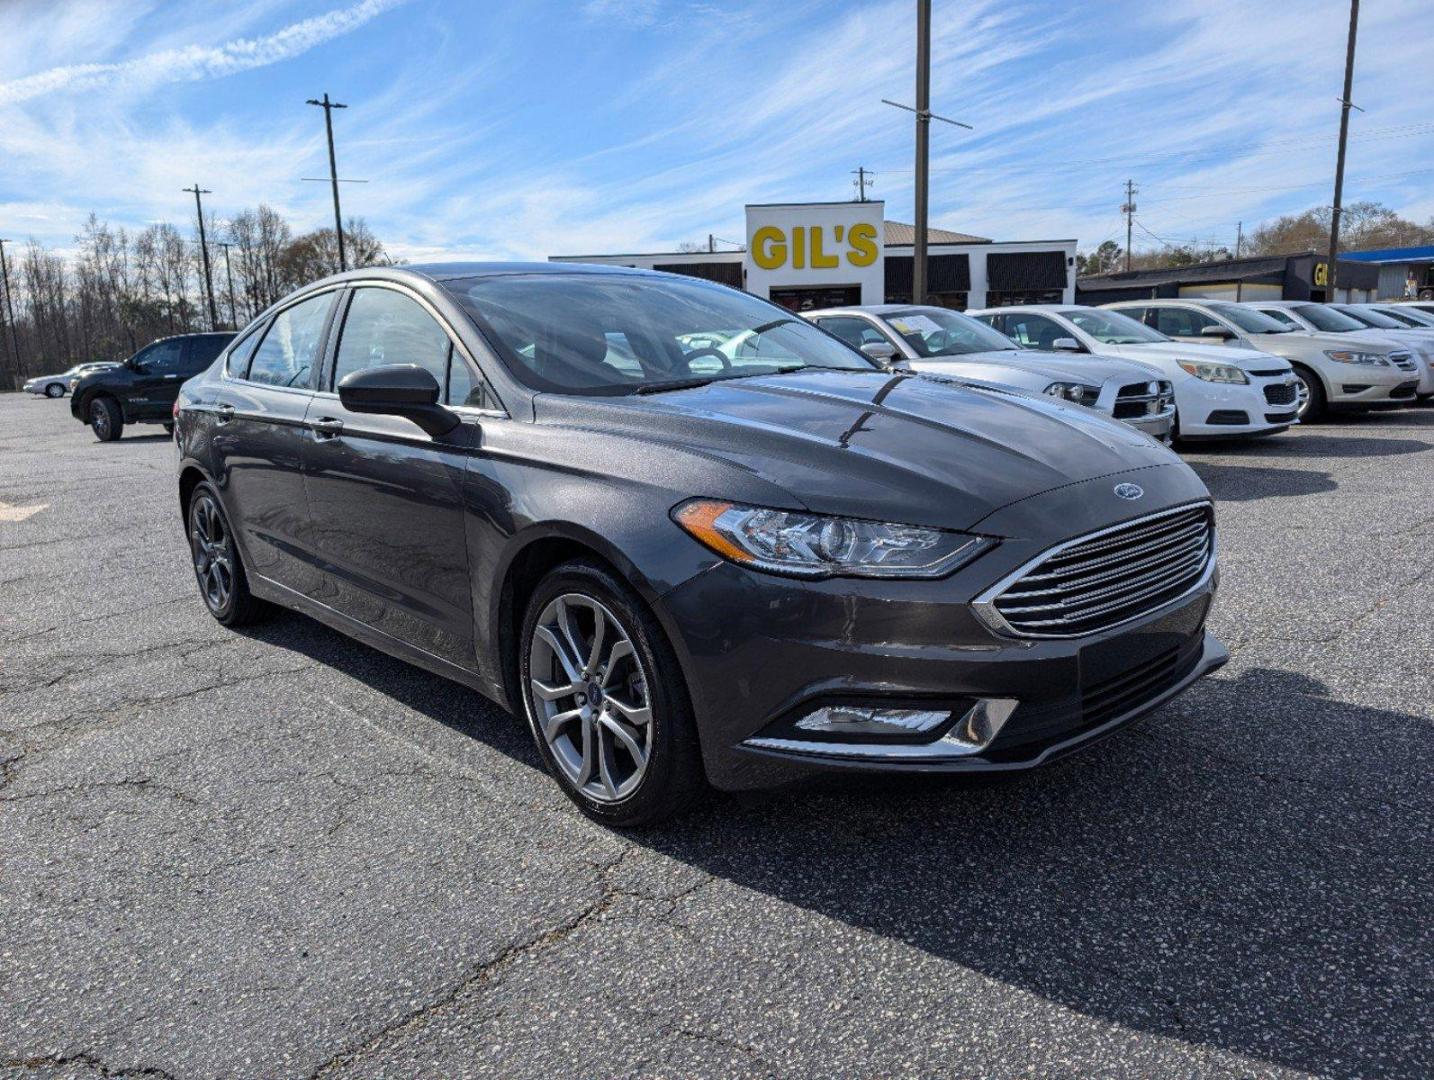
(1264, 405)
(1364, 384)
(760, 652)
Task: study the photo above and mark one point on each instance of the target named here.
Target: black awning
(727, 273)
(1025, 271)
(944, 274)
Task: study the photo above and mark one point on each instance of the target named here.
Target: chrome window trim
(984, 606)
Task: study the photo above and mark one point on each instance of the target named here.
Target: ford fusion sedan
(1219, 392)
(1329, 318)
(54, 386)
(942, 342)
(681, 569)
(1333, 373)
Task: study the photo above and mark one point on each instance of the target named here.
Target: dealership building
(815, 255)
(1259, 277)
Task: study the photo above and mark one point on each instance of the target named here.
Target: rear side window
(289, 350)
(855, 332)
(203, 350)
(1181, 322)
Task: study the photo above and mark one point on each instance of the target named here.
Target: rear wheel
(1311, 402)
(106, 420)
(217, 567)
(54, 390)
(605, 699)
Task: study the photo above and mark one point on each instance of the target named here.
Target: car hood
(1245, 359)
(889, 446)
(1056, 367)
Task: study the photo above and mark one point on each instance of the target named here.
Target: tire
(223, 585)
(55, 390)
(168, 429)
(612, 690)
(1316, 402)
(106, 420)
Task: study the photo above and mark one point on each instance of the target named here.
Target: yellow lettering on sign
(862, 238)
(820, 259)
(799, 247)
(1321, 274)
(769, 247)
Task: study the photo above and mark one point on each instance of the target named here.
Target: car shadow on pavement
(1243, 483)
(1150, 883)
(1156, 882)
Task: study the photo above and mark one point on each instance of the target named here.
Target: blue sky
(528, 128)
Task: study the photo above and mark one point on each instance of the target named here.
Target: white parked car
(939, 341)
(1337, 319)
(55, 386)
(1219, 392)
(1333, 372)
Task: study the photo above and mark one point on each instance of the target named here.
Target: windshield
(1249, 320)
(1111, 327)
(1326, 318)
(1371, 318)
(933, 331)
(1409, 317)
(608, 334)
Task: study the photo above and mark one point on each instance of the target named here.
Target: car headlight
(1344, 356)
(1220, 373)
(817, 545)
(1080, 393)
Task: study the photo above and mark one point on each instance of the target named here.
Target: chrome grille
(1110, 577)
(1142, 399)
(1403, 361)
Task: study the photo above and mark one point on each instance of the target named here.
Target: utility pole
(204, 253)
(1345, 104)
(229, 274)
(329, 107)
(1128, 209)
(1239, 237)
(9, 307)
(711, 243)
(864, 176)
(924, 116)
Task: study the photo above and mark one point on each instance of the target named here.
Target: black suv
(142, 389)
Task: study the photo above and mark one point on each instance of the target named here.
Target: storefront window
(1009, 298)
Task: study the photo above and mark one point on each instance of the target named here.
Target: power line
(204, 253)
(864, 176)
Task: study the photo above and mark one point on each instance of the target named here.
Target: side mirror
(1066, 344)
(1216, 332)
(883, 352)
(405, 390)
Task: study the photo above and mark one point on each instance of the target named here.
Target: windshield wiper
(674, 384)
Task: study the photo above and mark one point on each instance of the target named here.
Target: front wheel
(605, 699)
(1311, 402)
(54, 390)
(106, 420)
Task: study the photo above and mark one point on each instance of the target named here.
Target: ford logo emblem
(1129, 491)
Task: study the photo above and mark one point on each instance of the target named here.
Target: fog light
(859, 720)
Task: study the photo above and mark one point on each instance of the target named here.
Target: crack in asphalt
(89, 1061)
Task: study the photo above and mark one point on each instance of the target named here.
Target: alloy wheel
(589, 695)
(213, 553)
(1302, 396)
(100, 419)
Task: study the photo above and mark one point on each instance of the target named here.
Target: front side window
(855, 332)
(1182, 322)
(610, 334)
(937, 332)
(1034, 331)
(1113, 327)
(1326, 318)
(162, 358)
(1284, 318)
(387, 327)
(290, 348)
(1368, 318)
(1249, 320)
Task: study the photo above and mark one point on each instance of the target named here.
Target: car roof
(873, 309)
(449, 271)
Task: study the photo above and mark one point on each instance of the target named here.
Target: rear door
(386, 498)
(259, 406)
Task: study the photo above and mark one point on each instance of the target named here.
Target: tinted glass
(1370, 318)
(161, 358)
(387, 327)
(1112, 327)
(291, 347)
(933, 331)
(466, 388)
(1326, 318)
(203, 350)
(1034, 331)
(855, 332)
(1283, 317)
(620, 333)
(1182, 322)
(1248, 319)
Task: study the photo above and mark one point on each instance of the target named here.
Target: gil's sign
(816, 245)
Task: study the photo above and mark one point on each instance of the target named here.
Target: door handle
(174, 376)
(326, 427)
(226, 413)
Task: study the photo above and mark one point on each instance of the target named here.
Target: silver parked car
(939, 341)
(56, 386)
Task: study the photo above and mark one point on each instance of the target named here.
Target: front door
(386, 498)
(156, 374)
(259, 435)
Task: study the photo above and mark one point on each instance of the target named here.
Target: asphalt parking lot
(283, 854)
